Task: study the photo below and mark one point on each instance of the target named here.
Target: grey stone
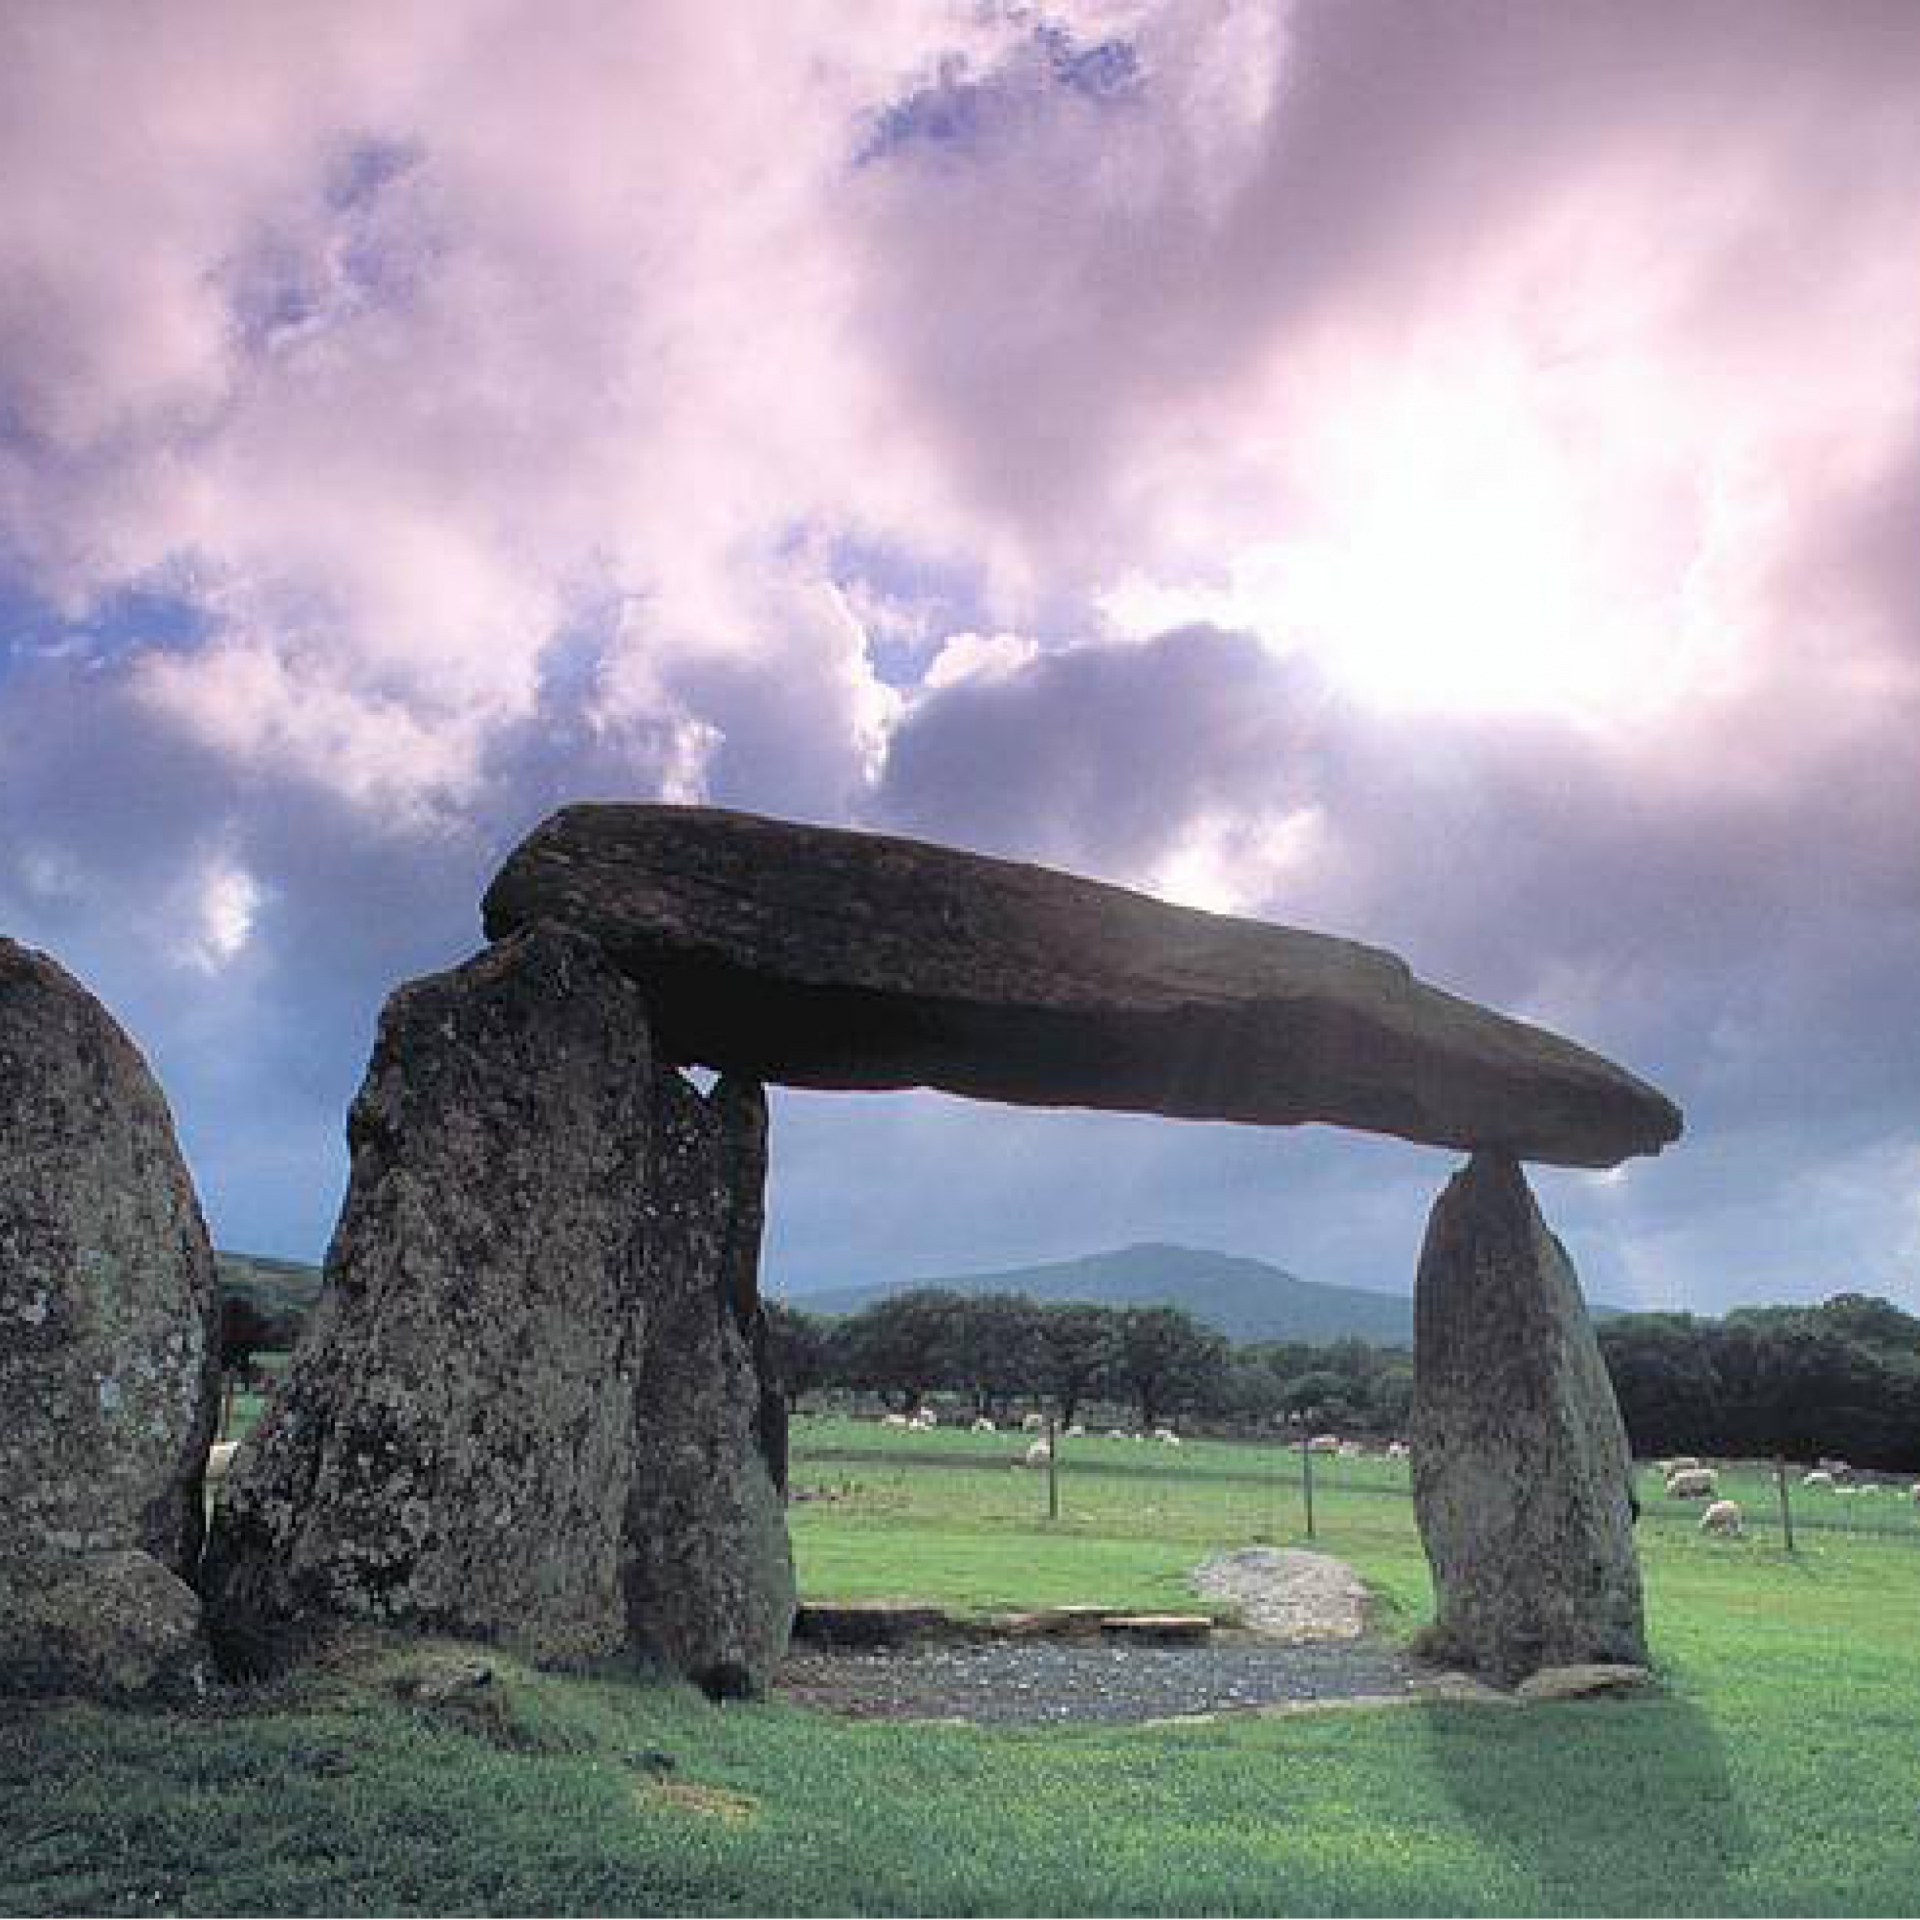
(112, 1624)
(1521, 1474)
(824, 958)
(1583, 1682)
(530, 1406)
(109, 1318)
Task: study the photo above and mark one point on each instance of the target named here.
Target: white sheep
(1819, 1477)
(1398, 1450)
(1680, 1463)
(1167, 1437)
(926, 1417)
(1352, 1450)
(984, 1425)
(1039, 1454)
(1722, 1517)
(1117, 1433)
(1916, 1493)
(1324, 1443)
(1693, 1483)
(1076, 1431)
(1869, 1486)
(895, 1420)
(1033, 1423)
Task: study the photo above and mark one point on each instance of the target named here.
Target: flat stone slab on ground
(871, 1623)
(1287, 1593)
(1582, 1681)
(1160, 1629)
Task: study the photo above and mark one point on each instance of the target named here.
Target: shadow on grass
(1610, 1806)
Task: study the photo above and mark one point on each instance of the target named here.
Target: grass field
(1778, 1771)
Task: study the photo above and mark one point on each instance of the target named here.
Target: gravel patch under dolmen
(1049, 1682)
(1304, 1614)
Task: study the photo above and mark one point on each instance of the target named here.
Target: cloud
(1444, 475)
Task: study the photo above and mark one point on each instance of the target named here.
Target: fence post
(1786, 1505)
(1053, 1467)
(1306, 1478)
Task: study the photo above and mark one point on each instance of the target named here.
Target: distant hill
(1247, 1299)
(283, 1290)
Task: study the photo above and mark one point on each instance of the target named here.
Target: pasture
(1777, 1772)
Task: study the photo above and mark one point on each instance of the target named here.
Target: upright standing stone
(529, 1388)
(1521, 1475)
(109, 1352)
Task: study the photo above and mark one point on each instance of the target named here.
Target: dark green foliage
(1842, 1379)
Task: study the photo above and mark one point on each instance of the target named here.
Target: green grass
(1777, 1773)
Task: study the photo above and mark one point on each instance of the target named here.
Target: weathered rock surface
(109, 1351)
(529, 1406)
(824, 958)
(1521, 1474)
(1286, 1593)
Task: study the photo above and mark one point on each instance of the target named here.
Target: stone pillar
(532, 1340)
(109, 1353)
(1521, 1475)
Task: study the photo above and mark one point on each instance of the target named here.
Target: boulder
(1583, 1682)
(531, 1405)
(1521, 1475)
(109, 1349)
(823, 958)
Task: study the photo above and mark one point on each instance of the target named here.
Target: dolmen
(534, 1404)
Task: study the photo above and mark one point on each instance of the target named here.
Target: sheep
(1398, 1450)
(926, 1417)
(1117, 1433)
(1076, 1431)
(1693, 1483)
(1680, 1463)
(1915, 1493)
(895, 1420)
(1819, 1477)
(1352, 1450)
(1869, 1486)
(1033, 1423)
(1722, 1517)
(1324, 1443)
(1039, 1454)
(984, 1425)
(1167, 1437)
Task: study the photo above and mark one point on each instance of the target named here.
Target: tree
(802, 1350)
(993, 1354)
(1074, 1345)
(1165, 1361)
(904, 1346)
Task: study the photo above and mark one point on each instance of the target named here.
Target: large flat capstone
(817, 957)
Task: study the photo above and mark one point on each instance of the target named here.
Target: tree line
(1841, 1378)
(1001, 1351)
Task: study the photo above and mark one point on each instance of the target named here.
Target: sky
(1443, 474)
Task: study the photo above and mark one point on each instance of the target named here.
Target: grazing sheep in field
(1693, 1483)
(1915, 1495)
(1869, 1486)
(1117, 1433)
(1324, 1443)
(1039, 1454)
(1722, 1517)
(984, 1425)
(220, 1460)
(1680, 1463)
(1819, 1477)
(895, 1420)
(1167, 1437)
(1076, 1431)
(1033, 1423)
(1352, 1450)
(1398, 1450)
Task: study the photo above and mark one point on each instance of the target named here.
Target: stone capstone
(109, 1349)
(1521, 1474)
(823, 958)
(531, 1405)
